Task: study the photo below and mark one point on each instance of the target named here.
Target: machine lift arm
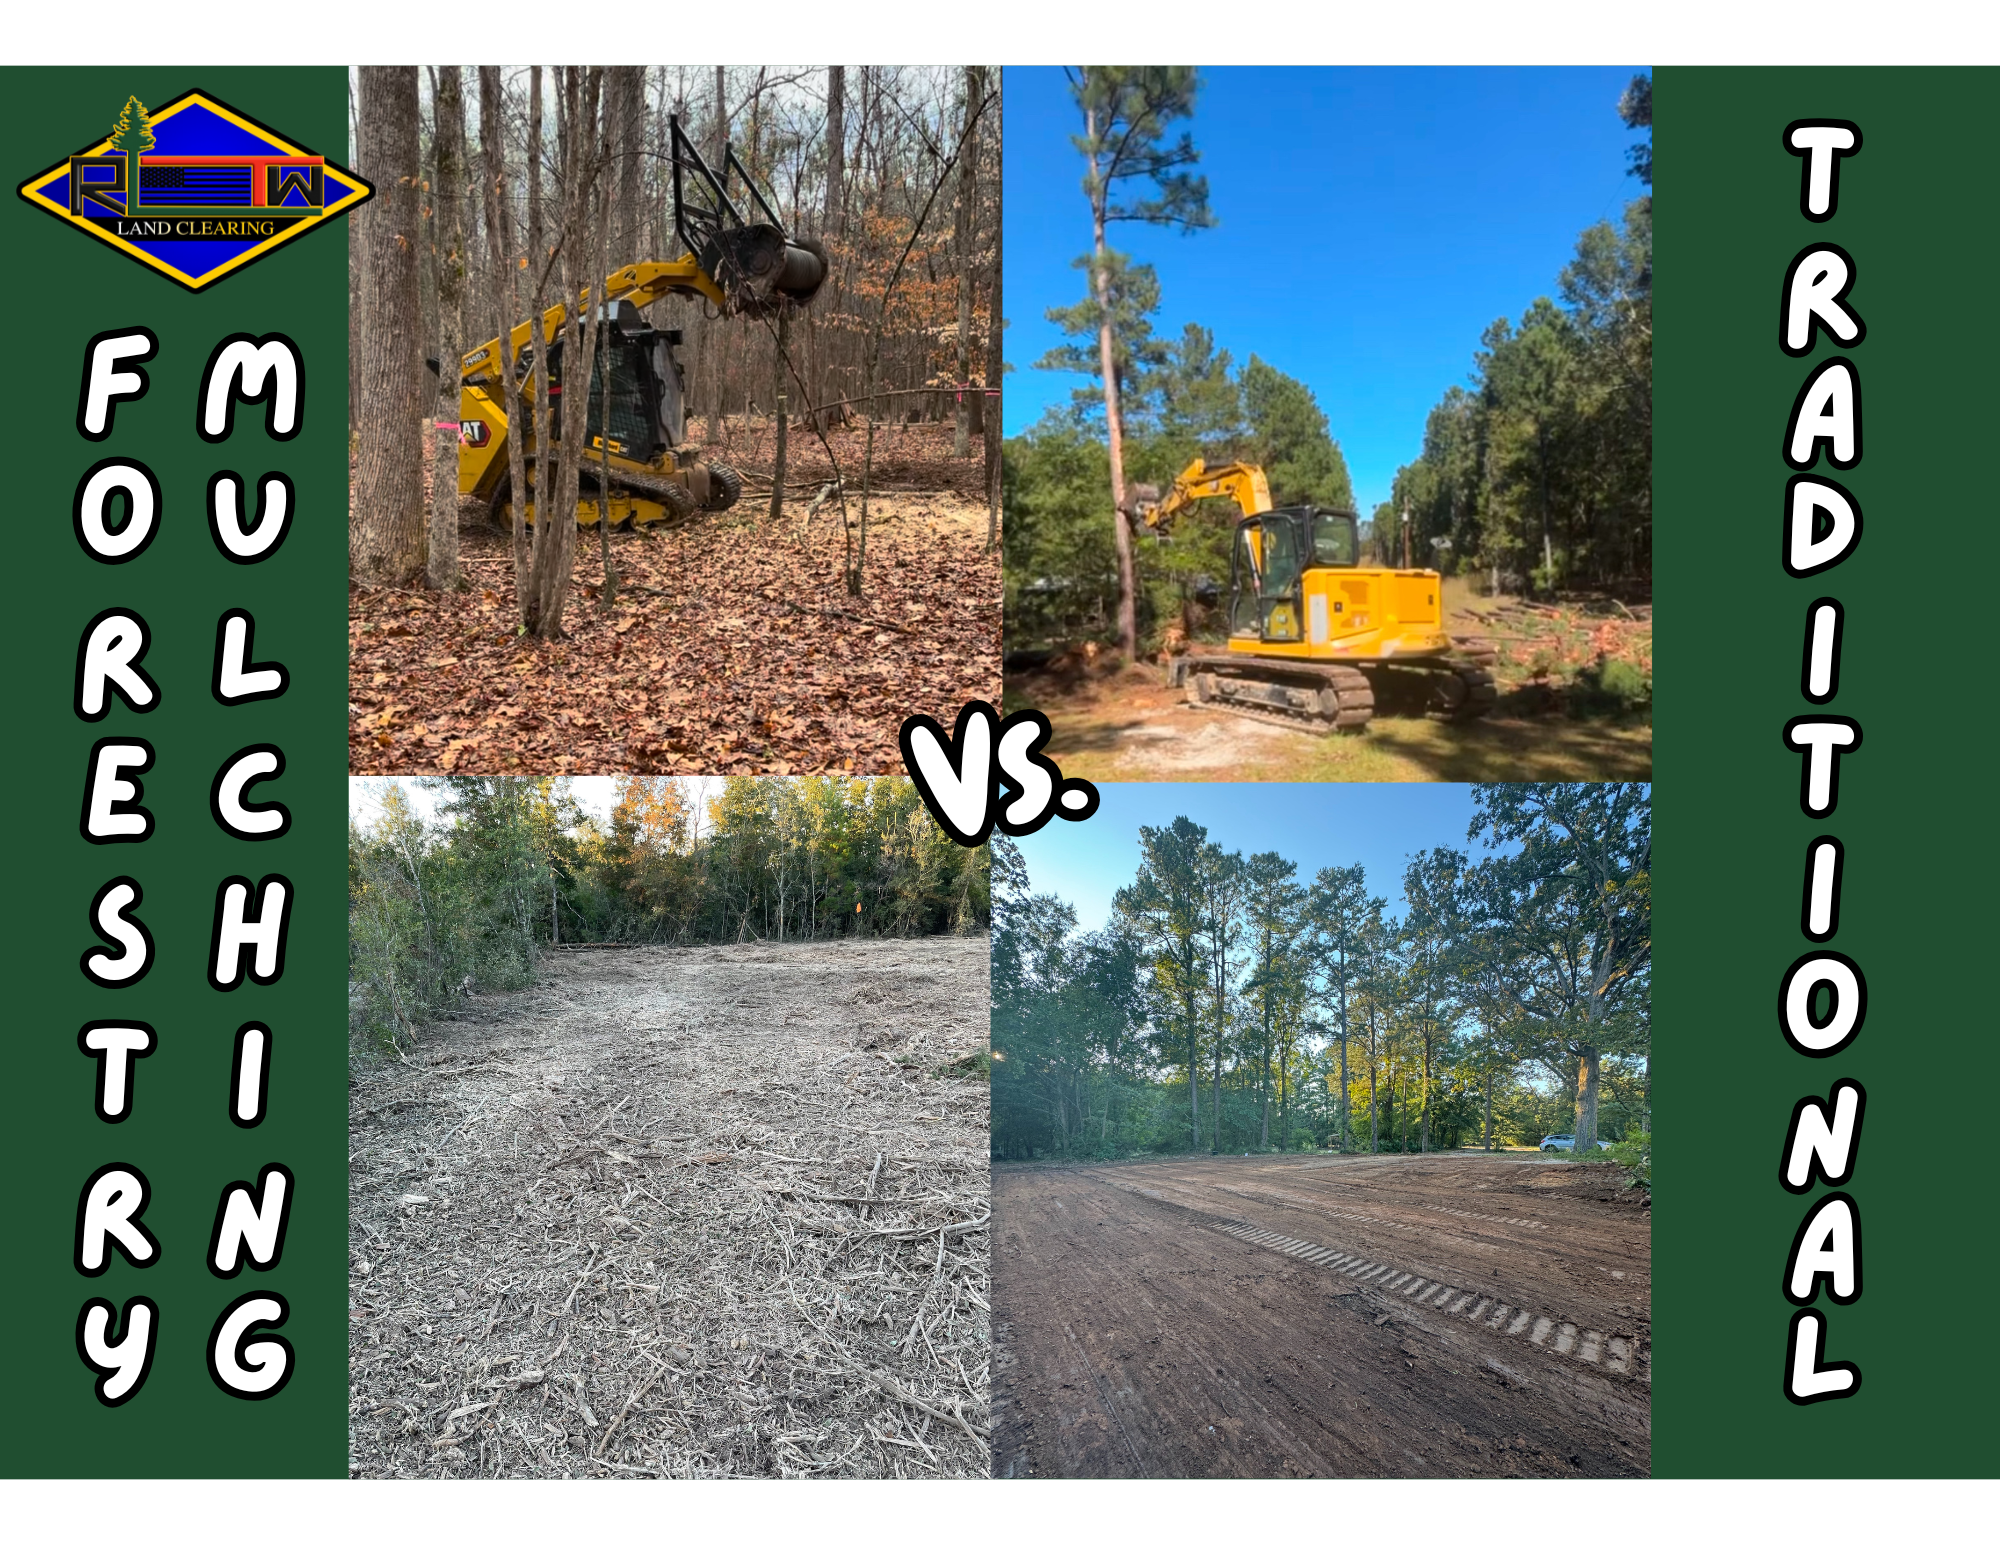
(736, 264)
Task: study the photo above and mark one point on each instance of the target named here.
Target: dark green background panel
(1916, 211)
(64, 288)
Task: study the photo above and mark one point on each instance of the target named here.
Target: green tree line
(1534, 476)
(1231, 1003)
(466, 897)
(1540, 472)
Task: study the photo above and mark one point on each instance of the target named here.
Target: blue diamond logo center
(194, 189)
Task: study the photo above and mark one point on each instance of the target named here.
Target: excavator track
(1301, 695)
(1445, 688)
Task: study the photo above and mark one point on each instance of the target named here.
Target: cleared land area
(1551, 724)
(1317, 1315)
(681, 1212)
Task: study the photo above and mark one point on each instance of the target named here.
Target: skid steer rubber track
(725, 485)
(1301, 695)
(679, 502)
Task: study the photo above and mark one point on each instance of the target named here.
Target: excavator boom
(1236, 480)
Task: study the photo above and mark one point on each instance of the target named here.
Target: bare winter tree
(386, 535)
(506, 288)
(626, 89)
(966, 226)
(995, 364)
(448, 198)
(583, 155)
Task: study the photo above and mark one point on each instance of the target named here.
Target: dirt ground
(1119, 725)
(1387, 1315)
(678, 1212)
(1127, 727)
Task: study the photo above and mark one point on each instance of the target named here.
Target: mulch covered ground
(678, 1212)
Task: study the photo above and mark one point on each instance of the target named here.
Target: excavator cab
(1268, 564)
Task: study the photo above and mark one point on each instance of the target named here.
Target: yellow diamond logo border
(31, 190)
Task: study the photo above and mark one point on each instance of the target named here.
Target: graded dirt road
(681, 1212)
(1321, 1315)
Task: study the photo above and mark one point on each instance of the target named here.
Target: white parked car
(1554, 1143)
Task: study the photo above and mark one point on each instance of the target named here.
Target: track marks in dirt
(1611, 1352)
(1136, 1333)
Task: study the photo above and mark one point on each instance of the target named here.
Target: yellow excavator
(1317, 641)
(740, 265)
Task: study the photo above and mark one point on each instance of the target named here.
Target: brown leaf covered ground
(680, 1212)
(733, 648)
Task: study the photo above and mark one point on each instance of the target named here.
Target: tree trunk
(1374, 1127)
(995, 368)
(1264, 1075)
(539, 407)
(836, 149)
(967, 225)
(781, 396)
(504, 279)
(1489, 1105)
(386, 541)
(1346, 1114)
(357, 258)
(1128, 624)
(1586, 1100)
(626, 113)
(711, 335)
(1424, 1123)
(448, 198)
(1215, 1087)
(584, 153)
(1194, 1086)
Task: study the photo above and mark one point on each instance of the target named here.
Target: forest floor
(1361, 1315)
(1113, 724)
(733, 646)
(673, 1212)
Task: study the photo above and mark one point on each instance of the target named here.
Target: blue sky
(1380, 826)
(1388, 215)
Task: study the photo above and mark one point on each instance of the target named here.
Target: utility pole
(1406, 535)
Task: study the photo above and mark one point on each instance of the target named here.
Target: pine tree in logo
(132, 134)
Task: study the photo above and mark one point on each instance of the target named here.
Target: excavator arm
(1236, 480)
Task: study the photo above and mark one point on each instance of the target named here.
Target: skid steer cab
(637, 460)
(637, 413)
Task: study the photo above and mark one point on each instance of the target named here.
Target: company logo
(195, 189)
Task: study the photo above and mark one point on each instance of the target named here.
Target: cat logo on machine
(194, 190)
(474, 433)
